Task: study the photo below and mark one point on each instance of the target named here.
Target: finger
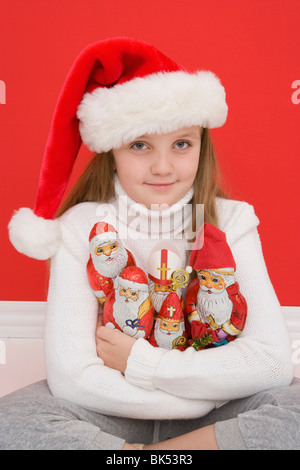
(106, 334)
(99, 323)
(100, 320)
(101, 332)
(101, 346)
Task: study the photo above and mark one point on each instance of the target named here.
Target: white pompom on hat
(117, 90)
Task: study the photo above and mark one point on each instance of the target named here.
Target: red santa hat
(116, 90)
(102, 232)
(133, 278)
(211, 251)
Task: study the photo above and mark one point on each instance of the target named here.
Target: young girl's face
(159, 169)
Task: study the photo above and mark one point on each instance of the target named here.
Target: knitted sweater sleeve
(258, 359)
(74, 372)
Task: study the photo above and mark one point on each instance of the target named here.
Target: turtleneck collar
(167, 222)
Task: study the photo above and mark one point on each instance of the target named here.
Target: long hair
(97, 182)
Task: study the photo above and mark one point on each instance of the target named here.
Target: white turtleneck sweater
(158, 383)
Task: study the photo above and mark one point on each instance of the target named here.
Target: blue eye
(138, 146)
(182, 144)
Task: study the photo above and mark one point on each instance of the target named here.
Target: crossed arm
(114, 347)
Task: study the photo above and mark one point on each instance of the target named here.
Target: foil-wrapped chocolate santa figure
(216, 310)
(108, 257)
(128, 306)
(166, 281)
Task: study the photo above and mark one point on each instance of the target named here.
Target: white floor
(22, 346)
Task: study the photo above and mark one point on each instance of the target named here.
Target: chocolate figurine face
(106, 248)
(211, 282)
(168, 326)
(129, 294)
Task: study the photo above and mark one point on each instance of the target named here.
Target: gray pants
(32, 419)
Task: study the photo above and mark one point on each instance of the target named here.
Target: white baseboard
(27, 319)
(22, 319)
(292, 317)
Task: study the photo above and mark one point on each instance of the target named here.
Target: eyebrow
(193, 134)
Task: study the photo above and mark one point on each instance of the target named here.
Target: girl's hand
(113, 347)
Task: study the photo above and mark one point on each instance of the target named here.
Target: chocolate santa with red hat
(215, 308)
(108, 257)
(128, 306)
(169, 330)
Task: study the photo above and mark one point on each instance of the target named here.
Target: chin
(160, 202)
(165, 198)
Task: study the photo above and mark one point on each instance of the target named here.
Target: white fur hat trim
(157, 103)
(34, 236)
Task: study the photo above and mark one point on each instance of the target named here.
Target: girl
(148, 120)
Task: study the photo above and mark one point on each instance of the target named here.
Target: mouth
(160, 187)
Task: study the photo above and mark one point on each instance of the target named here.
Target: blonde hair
(97, 182)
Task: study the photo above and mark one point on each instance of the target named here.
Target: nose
(107, 251)
(209, 284)
(162, 164)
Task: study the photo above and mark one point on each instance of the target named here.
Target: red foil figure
(215, 309)
(128, 307)
(166, 280)
(107, 259)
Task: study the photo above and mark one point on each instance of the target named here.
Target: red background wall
(253, 45)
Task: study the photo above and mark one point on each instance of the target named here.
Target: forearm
(258, 359)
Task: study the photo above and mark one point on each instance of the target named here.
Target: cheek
(129, 169)
(122, 166)
(187, 169)
(123, 172)
(219, 286)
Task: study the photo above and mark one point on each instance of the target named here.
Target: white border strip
(27, 319)
(22, 319)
